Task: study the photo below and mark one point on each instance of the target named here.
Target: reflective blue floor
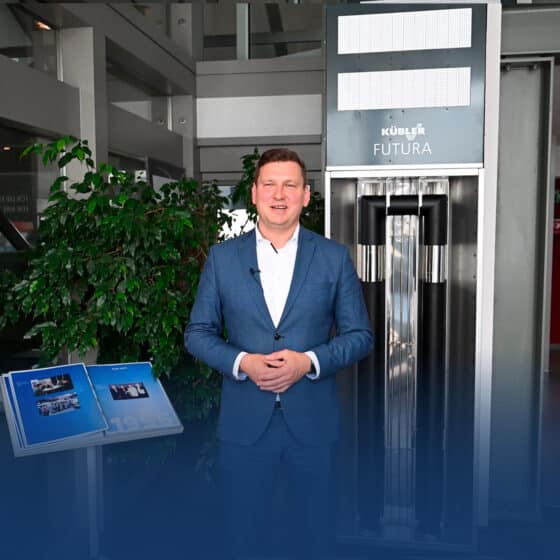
(159, 500)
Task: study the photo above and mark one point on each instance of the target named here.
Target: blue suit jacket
(324, 312)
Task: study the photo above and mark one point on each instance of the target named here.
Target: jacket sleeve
(204, 334)
(353, 339)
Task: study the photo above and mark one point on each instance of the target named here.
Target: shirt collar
(261, 239)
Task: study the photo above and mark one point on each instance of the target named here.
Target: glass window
(281, 29)
(5, 245)
(130, 164)
(26, 39)
(219, 31)
(276, 29)
(134, 166)
(24, 184)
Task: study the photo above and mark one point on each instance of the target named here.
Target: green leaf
(121, 199)
(32, 148)
(57, 185)
(91, 204)
(97, 180)
(65, 159)
(82, 188)
(106, 168)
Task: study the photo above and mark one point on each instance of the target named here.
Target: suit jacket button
(277, 336)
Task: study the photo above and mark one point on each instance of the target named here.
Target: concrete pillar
(242, 30)
(83, 65)
(186, 24)
(183, 118)
(161, 111)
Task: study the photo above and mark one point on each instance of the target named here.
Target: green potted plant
(116, 269)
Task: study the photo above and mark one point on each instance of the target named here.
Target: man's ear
(254, 193)
(307, 195)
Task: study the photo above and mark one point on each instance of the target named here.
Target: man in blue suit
(278, 312)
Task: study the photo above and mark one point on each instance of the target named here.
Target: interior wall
(58, 111)
(259, 103)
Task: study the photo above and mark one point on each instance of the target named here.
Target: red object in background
(555, 296)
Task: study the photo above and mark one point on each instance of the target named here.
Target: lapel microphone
(254, 271)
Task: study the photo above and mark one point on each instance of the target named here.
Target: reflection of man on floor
(279, 291)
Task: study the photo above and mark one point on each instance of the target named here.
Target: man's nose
(278, 192)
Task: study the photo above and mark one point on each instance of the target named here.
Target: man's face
(280, 194)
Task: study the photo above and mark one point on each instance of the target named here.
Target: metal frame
(547, 255)
(384, 171)
(381, 170)
(547, 270)
(486, 216)
(409, 172)
(402, 171)
(487, 191)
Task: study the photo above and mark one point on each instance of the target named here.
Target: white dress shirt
(276, 268)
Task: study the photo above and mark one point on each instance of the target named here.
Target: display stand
(94, 485)
(77, 408)
(86, 466)
(73, 406)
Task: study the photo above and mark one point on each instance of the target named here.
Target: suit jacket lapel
(305, 250)
(249, 269)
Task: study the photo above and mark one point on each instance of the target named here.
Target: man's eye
(290, 186)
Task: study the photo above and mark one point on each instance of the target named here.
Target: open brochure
(71, 406)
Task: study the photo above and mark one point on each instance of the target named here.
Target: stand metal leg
(94, 472)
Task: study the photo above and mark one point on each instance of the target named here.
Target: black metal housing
(430, 374)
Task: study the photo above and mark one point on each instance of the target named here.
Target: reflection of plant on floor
(312, 217)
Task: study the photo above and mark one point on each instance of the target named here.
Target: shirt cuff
(239, 375)
(315, 362)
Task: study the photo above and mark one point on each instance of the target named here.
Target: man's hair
(280, 154)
